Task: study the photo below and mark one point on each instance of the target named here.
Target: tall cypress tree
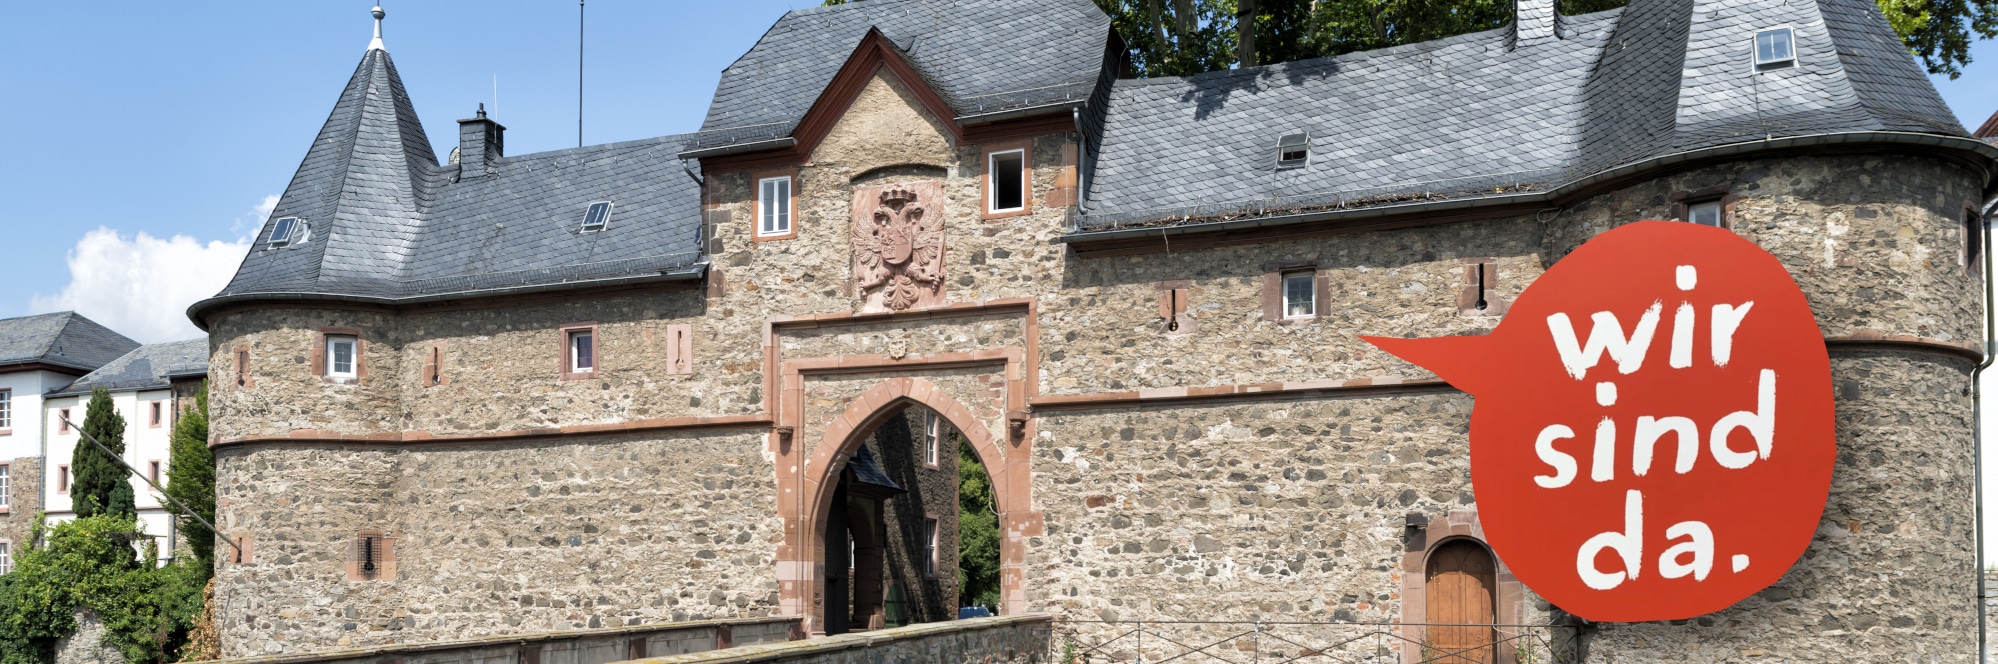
(101, 485)
(191, 478)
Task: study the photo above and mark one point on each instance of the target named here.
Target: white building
(38, 354)
(148, 387)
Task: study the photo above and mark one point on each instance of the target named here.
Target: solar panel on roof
(281, 234)
(597, 216)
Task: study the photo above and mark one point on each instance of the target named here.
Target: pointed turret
(357, 196)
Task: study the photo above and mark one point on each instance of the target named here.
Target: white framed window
(1008, 170)
(932, 437)
(930, 546)
(1775, 49)
(6, 409)
(582, 351)
(773, 206)
(1704, 214)
(6, 486)
(1300, 298)
(340, 361)
(6, 556)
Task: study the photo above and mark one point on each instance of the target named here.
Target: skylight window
(283, 232)
(597, 217)
(1293, 150)
(1775, 49)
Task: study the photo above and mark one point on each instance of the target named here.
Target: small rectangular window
(282, 232)
(1704, 214)
(582, 352)
(153, 417)
(1774, 49)
(6, 483)
(930, 547)
(62, 478)
(932, 438)
(62, 420)
(1008, 171)
(1300, 298)
(773, 205)
(6, 557)
(242, 367)
(1973, 246)
(597, 216)
(6, 409)
(1293, 150)
(153, 471)
(340, 357)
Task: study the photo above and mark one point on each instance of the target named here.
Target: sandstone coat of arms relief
(898, 245)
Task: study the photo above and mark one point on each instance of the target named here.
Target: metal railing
(1282, 642)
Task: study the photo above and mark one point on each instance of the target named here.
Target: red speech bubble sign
(1653, 434)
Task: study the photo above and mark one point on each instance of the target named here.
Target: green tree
(1177, 37)
(977, 531)
(90, 563)
(191, 479)
(101, 484)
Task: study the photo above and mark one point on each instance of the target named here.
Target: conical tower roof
(359, 195)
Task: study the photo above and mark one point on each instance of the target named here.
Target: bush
(90, 563)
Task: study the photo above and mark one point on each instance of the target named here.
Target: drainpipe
(1977, 425)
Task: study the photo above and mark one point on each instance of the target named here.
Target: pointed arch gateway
(801, 562)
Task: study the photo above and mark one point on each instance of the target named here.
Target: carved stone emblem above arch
(898, 246)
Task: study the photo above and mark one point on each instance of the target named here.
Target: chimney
(1532, 22)
(481, 143)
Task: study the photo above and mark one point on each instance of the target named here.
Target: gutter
(696, 271)
(1546, 198)
(738, 148)
(1030, 111)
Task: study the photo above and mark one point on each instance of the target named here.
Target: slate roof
(1989, 129)
(147, 367)
(869, 471)
(64, 338)
(981, 56)
(385, 221)
(1483, 113)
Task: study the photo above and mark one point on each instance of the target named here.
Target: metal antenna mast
(579, 73)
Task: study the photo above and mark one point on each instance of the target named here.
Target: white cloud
(141, 286)
(246, 228)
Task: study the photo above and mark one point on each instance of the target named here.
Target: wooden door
(1460, 600)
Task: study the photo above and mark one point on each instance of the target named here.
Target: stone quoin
(1131, 299)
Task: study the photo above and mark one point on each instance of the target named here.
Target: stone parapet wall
(595, 646)
(1001, 639)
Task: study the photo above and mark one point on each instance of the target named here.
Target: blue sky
(180, 119)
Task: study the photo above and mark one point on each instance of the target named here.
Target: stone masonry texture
(1287, 506)
(24, 502)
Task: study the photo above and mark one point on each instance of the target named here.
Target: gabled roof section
(64, 339)
(981, 57)
(1989, 129)
(147, 367)
(1479, 117)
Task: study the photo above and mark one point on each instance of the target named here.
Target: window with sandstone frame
(776, 205)
(1007, 183)
(1294, 292)
(581, 352)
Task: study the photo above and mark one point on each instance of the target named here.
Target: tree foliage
(100, 484)
(1182, 37)
(191, 479)
(90, 563)
(977, 531)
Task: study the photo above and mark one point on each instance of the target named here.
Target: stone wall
(595, 646)
(1008, 639)
(495, 539)
(1223, 471)
(86, 644)
(24, 503)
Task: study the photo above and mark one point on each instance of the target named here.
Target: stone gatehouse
(619, 384)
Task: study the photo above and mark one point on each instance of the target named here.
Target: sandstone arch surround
(984, 393)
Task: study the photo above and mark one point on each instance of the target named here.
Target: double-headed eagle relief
(898, 243)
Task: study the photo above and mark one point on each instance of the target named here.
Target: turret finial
(376, 45)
